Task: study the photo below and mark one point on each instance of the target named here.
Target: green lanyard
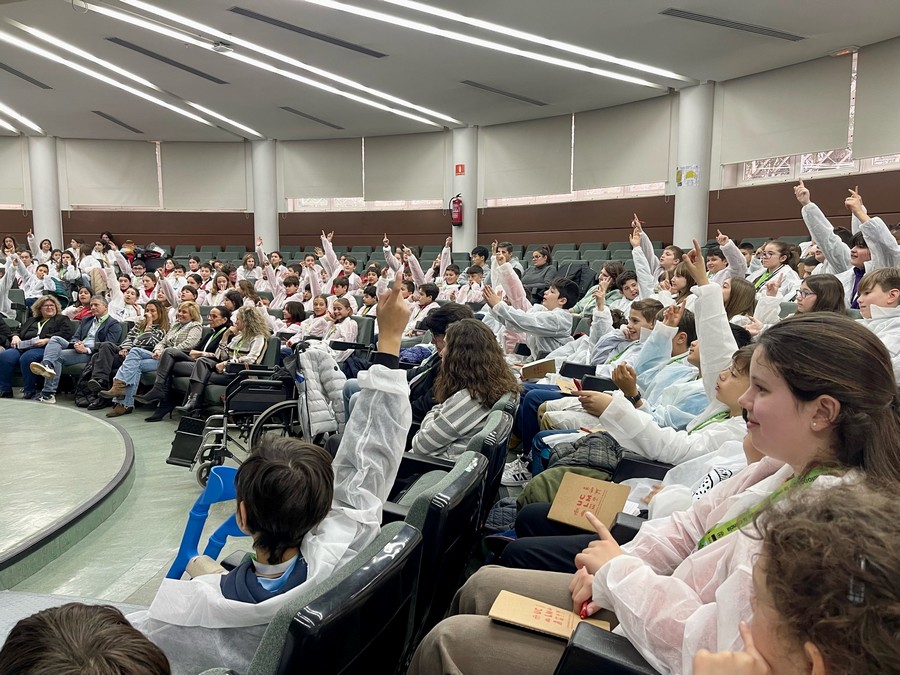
(764, 278)
(718, 417)
(237, 348)
(619, 355)
(716, 532)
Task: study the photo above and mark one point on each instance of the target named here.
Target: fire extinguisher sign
(460, 169)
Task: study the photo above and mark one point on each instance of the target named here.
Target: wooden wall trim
(760, 211)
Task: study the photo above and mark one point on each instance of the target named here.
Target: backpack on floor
(84, 396)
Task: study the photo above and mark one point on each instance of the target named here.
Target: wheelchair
(258, 402)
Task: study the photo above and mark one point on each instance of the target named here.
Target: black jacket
(59, 325)
(421, 391)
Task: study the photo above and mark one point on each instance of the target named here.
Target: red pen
(584, 606)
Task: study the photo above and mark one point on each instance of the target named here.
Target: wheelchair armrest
(594, 650)
(339, 346)
(411, 465)
(634, 466)
(625, 527)
(392, 513)
(576, 370)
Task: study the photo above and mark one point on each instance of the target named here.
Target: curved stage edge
(23, 558)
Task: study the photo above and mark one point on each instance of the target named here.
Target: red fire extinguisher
(456, 211)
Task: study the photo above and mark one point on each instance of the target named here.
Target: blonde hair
(193, 309)
(254, 323)
(40, 302)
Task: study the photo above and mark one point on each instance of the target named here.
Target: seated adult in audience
(825, 587)
(94, 330)
(109, 356)
(537, 278)
(474, 375)
(78, 638)
(683, 583)
(242, 345)
(28, 342)
(175, 362)
(183, 333)
(210, 621)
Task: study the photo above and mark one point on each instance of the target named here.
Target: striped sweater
(449, 426)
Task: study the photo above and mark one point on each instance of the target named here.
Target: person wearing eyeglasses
(540, 275)
(818, 293)
(779, 261)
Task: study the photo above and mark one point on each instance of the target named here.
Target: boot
(164, 408)
(157, 393)
(117, 390)
(99, 404)
(94, 385)
(119, 410)
(192, 403)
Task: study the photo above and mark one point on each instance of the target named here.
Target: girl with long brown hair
(473, 377)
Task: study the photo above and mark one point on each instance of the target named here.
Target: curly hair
(473, 360)
(254, 323)
(830, 561)
(41, 301)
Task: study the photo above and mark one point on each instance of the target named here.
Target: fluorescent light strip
(478, 42)
(72, 49)
(9, 112)
(121, 71)
(21, 44)
(7, 125)
(222, 118)
(183, 37)
(537, 39)
(233, 40)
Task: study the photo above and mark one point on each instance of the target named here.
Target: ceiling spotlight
(222, 47)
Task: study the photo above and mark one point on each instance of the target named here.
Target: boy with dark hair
(426, 301)
(479, 258)
(451, 283)
(283, 501)
(879, 304)
(78, 638)
(340, 289)
(472, 291)
(546, 326)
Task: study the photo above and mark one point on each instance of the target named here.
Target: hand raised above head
(801, 192)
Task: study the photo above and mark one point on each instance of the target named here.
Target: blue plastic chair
(219, 488)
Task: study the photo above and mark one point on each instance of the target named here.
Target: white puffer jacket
(323, 404)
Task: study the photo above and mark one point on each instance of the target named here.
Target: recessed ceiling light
(233, 41)
(9, 112)
(8, 126)
(537, 39)
(218, 116)
(249, 60)
(34, 49)
(478, 42)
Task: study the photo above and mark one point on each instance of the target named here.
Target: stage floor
(57, 464)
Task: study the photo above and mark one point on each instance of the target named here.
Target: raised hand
(319, 252)
(636, 223)
(666, 283)
(386, 242)
(854, 202)
(494, 245)
(721, 239)
(448, 241)
(393, 314)
(259, 242)
(491, 297)
(773, 286)
(801, 192)
(696, 265)
(635, 238)
(672, 314)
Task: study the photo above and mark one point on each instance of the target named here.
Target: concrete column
(45, 212)
(695, 117)
(465, 152)
(265, 194)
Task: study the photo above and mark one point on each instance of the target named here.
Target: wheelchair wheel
(202, 472)
(282, 419)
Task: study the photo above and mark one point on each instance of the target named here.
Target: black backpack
(582, 275)
(84, 396)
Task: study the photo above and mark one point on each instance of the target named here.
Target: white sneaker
(515, 473)
(42, 370)
(46, 398)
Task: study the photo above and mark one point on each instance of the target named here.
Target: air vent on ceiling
(165, 59)
(114, 120)
(500, 92)
(337, 42)
(23, 76)
(313, 118)
(728, 23)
